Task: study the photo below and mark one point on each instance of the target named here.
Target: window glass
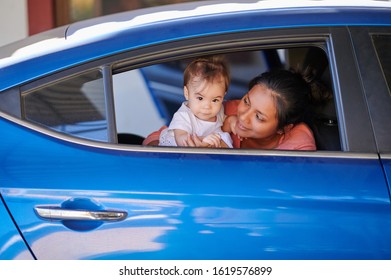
(383, 45)
(75, 106)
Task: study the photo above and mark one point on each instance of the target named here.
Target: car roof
(90, 39)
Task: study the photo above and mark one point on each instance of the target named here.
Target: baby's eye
(199, 98)
(215, 100)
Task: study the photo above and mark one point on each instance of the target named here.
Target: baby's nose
(207, 105)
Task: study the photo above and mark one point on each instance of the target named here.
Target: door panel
(386, 160)
(13, 246)
(194, 205)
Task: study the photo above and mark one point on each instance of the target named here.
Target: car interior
(165, 82)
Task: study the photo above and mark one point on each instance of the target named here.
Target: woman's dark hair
(294, 91)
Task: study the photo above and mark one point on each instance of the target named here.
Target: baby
(202, 114)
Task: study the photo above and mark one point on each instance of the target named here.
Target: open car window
(146, 98)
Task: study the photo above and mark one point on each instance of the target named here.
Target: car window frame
(334, 39)
(65, 75)
(376, 90)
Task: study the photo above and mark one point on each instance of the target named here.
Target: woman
(271, 115)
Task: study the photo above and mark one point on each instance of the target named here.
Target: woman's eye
(259, 118)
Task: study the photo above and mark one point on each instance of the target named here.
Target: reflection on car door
(193, 205)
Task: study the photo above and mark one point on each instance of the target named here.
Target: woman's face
(257, 114)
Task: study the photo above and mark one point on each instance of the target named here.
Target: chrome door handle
(57, 213)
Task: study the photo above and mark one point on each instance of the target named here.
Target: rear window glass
(75, 106)
(383, 45)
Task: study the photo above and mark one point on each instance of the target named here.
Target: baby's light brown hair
(207, 68)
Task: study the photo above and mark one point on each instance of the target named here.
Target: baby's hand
(212, 140)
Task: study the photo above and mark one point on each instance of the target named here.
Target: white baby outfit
(185, 120)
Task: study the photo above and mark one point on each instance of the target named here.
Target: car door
(82, 197)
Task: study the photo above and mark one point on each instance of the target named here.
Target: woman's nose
(244, 116)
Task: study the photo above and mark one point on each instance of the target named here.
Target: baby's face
(205, 98)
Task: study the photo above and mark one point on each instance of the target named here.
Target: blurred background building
(21, 18)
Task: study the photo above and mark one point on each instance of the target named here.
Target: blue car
(76, 103)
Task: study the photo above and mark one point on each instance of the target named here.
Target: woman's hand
(230, 124)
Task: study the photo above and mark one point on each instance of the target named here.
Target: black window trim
(375, 86)
(355, 127)
(10, 102)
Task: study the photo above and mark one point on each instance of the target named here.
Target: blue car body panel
(12, 245)
(293, 207)
(386, 161)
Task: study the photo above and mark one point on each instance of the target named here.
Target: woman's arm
(229, 124)
(153, 138)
